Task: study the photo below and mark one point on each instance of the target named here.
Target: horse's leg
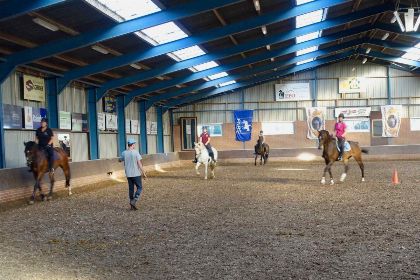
(346, 169)
(206, 164)
(358, 158)
(212, 167)
(329, 171)
(66, 170)
(327, 168)
(256, 155)
(261, 158)
(52, 181)
(196, 168)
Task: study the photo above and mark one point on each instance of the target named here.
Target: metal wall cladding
(100, 106)
(327, 89)
(12, 92)
(151, 114)
(405, 87)
(400, 73)
(108, 145)
(132, 111)
(351, 68)
(79, 147)
(151, 144)
(166, 124)
(14, 147)
(167, 144)
(279, 111)
(73, 99)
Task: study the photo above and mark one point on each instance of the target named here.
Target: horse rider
(261, 135)
(205, 139)
(340, 134)
(44, 139)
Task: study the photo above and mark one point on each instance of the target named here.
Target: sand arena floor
(270, 222)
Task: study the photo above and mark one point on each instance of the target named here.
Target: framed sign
(28, 117)
(214, 129)
(111, 122)
(65, 120)
(377, 128)
(278, 128)
(76, 122)
(110, 104)
(358, 124)
(352, 85)
(12, 116)
(135, 129)
(415, 124)
(352, 112)
(33, 88)
(85, 125)
(151, 127)
(292, 92)
(101, 121)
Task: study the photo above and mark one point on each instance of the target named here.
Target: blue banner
(243, 124)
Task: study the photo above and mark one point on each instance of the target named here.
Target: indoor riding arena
(222, 139)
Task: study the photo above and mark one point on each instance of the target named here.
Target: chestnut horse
(37, 160)
(261, 149)
(330, 155)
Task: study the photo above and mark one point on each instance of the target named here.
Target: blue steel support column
(52, 102)
(2, 154)
(160, 146)
(143, 128)
(388, 83)
(121, 124)
(93, 125)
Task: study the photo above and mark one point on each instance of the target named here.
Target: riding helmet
(341, 115)
(44, 120)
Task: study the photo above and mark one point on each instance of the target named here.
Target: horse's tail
(365, 151)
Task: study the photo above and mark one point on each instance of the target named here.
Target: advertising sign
(292, 91)
(33, 88)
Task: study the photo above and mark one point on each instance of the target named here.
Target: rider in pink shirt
(340, 134)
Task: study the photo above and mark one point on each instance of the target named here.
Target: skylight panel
(217, 76)
(164, 33)
(189, 52)
(304, 61)
(413, 54)
(307, 50)
(309, 18)
(300, 2)
(307, 37)
(205, 66)
(129, 9)
(227, 83)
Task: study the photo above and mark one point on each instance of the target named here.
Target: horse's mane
(30, 145)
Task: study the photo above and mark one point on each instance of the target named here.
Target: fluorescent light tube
(364, 60)
(264, 29)
(400, 23)
(257, 5)
(368, 50)
(100, 49)
(393, 19)
(135, 66)
(45, 24)
(416, 26)
(409, 20)
(385, 36)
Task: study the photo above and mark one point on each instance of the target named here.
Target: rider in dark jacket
(44, 138)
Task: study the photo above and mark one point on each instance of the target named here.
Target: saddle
(347, 147)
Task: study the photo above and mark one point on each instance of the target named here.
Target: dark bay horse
(261, 150)
(37, 160)
(330, 155)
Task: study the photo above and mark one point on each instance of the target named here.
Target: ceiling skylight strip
(413, 53)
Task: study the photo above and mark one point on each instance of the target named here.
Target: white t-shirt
(130, 158)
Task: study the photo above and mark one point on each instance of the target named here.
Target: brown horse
(37, 160)
(261, 150)
(330, 155)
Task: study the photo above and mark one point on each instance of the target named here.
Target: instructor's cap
(44, 120)
(131, 141)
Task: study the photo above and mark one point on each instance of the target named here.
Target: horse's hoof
(343, 177)
(363, 179)
(323, 180)
(30, 202)
(332, 182)
(70, 193)
(49, 198)
(43, 197)
(205, 178)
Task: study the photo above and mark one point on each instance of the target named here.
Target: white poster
(127, 126)
(352, 85)
(101, 121)
(65, 120)
(414, 124)
(278, 128)
(357, 125)
(111, 122)
(151, 127)
(353, 112)
(292, 91)
(315, 117)
(188, 129)
(214, 129)
(391, 120)
(135, 129)
(27, 114)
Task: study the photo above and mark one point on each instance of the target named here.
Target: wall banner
(12, 116)
(315, 117)
(28, 117)
(135, 129)
(110, 104)
(151, 127)
(391, 120)
(353, 112)
(65, 120)
(292, 91)
(352, 85)
(111, 122)
(101, 121)
(243, 124)
(33, 88)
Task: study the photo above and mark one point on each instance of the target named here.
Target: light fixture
(409, 20)
(385, 36)
(268, 47)
(45, 24)
(416, 25)
(368, 50)
(257, 5)
(393, 19)
(364, 60)
(272, 59)
(400, 23)
(100, 49)
(135, 66)
(264, 29)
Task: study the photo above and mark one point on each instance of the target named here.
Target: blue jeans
(131, 182)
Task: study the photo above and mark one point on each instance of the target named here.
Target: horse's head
(30, 150)
(323, 136)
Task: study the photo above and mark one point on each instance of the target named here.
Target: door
(188, 133)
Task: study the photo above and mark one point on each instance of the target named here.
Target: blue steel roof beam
(267, 77)
(198, 39)
(14, 8)
(243, 62)
(253, 71)
(247, 46)
(396, 29)
(116, 30)
(390, 45)
(390, 58)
